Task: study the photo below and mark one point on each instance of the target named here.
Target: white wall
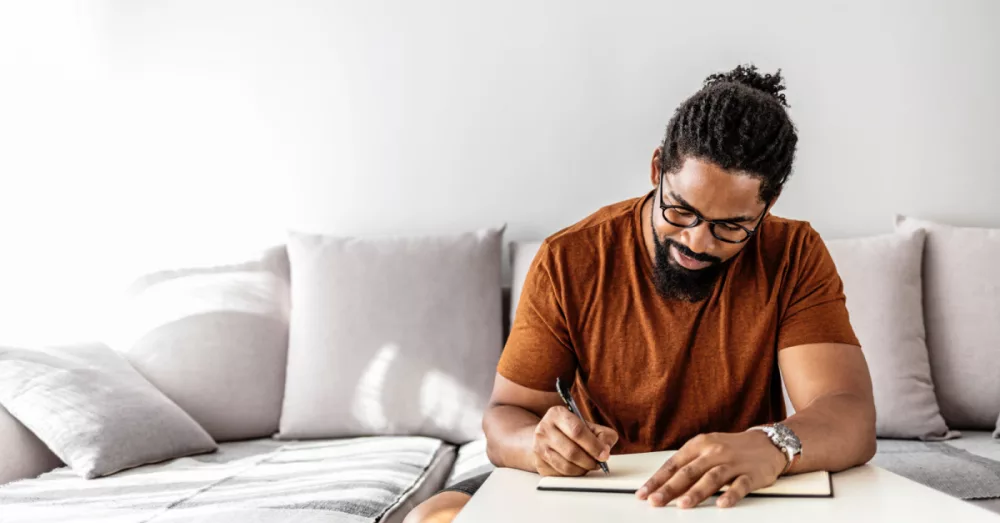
(140, 132)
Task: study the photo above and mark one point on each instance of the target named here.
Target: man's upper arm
(820, 369)
(814, 309)
(539, 348)
(818, 351)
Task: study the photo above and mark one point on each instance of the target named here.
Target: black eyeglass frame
(712, 224)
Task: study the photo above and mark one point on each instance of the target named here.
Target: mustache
(700, 256)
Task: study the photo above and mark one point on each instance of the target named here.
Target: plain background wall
(139, 133)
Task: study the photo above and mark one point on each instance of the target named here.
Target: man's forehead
(715, 192)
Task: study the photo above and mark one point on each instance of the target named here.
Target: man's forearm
(510, 434)
(837, 432)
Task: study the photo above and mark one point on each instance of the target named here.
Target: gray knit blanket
(942, 467)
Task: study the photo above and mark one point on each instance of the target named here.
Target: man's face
(689, 260)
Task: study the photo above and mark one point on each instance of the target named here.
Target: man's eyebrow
(680, 199)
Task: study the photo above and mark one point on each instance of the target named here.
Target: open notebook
(630, 471)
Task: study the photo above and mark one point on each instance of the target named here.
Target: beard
(673, 281)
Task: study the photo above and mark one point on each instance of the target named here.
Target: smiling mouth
(688, 262)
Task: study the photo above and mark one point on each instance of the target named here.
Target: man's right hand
(565, 445)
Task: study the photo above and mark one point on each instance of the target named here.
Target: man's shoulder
(784, 241)
(598, 230)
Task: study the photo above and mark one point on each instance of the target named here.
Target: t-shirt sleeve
(539, 348)
(816, 310)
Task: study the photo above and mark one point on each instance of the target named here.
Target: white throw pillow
(962, 313)
(882, 282)
(94, 411)
(392, 336)
(214, 340)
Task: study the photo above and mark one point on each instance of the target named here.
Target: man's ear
(770, 206)
(654, 166)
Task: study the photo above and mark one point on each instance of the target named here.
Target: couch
(317, 419)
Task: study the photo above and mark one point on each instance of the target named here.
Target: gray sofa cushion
(94, 410)
(961, 308)
(882, 282)
(392, 336)
(472, 461)
(350, 481)
(214, 340)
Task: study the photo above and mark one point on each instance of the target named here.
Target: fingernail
(605, 454)
(724, 502)
(684, 502)
(641, 493)
(656, 499)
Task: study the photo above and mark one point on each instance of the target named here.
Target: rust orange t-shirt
(661, 371)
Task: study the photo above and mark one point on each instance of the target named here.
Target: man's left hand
(745, 461)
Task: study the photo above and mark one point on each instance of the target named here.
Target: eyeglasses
(685, 217)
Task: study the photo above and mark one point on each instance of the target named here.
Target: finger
(605, 435)
(570, 450)
(670, 467)
(682, 480)
(580, 434)
(558, 465)
(738, 490)
(709, 484)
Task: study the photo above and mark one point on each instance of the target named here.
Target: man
(673, 313)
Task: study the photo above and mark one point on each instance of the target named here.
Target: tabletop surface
(865, 493)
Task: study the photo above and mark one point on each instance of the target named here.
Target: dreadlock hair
(738, 122)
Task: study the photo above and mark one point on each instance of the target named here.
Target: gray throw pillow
(392, 336)
(94, 411)
(882, 282)
(214, 340)
(961, 309)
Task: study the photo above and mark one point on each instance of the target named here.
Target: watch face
(788, 438)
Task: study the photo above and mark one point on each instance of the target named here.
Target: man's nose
(699, 239)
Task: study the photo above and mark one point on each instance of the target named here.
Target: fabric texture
(392, 336)
(260, 481)
(470, 485)
(471, 461)
(660, 372)
(941, 466)
(882, 281)
(214, 340)
(95, 412)
(22, 454)
(961, 307)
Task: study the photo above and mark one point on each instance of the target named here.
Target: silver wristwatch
(786, 441)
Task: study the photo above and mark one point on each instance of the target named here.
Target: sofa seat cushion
(471, 461)
(349, 480)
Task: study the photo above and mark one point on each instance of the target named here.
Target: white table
(861, 494)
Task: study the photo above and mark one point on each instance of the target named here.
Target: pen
(571, 405)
